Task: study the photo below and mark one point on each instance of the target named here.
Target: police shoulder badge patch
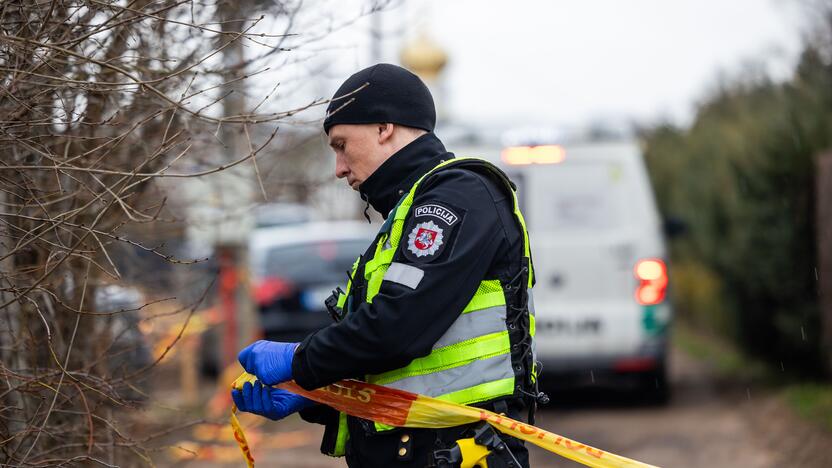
(431, 231)
(425, 239)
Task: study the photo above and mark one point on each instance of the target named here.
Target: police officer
(437, 305)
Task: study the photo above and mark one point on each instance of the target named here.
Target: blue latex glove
(270, 361)
(273, 403)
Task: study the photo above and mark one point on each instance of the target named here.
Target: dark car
(296, 268)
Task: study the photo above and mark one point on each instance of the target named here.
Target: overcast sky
(568, 62)
(582, 59)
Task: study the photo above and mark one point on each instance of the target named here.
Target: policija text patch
(437, 211)
(429, 231)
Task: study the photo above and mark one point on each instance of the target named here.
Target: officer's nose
(341, 168)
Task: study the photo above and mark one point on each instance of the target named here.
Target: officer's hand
(270, 361)
(273, 403)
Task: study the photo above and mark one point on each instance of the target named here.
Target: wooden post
(824, 264)
(234, 185)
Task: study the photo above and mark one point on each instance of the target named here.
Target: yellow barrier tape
(399, 408)
(240, 437)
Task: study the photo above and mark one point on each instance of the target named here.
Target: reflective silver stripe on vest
(531, 312)
(406, 275)
(531, 302)
(474, 324)
(458, 378)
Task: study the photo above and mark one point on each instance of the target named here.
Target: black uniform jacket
(480, 239)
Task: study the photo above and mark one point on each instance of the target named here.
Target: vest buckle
(331, 304)
(485, 444)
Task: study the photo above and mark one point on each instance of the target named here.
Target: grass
(812, 401)
(727, 362)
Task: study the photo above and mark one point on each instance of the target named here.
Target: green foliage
(742, 177)
(697, 293)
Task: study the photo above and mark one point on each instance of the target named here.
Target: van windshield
(582, 197)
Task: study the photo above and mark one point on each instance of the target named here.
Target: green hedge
(742, 177)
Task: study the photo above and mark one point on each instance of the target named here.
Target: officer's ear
(385, 132)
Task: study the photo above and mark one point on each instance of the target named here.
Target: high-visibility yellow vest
(472, 362)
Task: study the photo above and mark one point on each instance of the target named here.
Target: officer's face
(359, 151)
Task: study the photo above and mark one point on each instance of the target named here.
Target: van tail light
(271, 289)
(635, 364)
(652, 277)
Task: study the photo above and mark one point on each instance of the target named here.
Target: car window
(323, 261)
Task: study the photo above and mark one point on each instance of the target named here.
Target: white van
(600, 261)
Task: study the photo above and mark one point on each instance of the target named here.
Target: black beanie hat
(383, 93)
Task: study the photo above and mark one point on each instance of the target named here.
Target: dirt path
(702, 426)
